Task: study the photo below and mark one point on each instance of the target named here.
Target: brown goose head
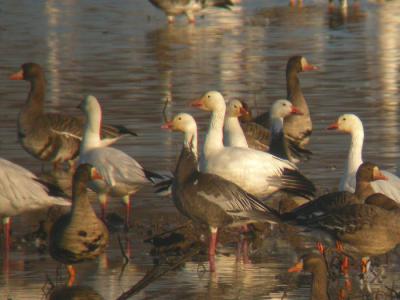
(309, 263)
(28, 72)
(369, 172)
(299, 64)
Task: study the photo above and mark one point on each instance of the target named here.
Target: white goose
(233, 132)
(21, 191)
(123, 176)
(257, 172)
(351, 124)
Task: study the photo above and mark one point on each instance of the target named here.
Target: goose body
(21, 191)
(257, 172)
(121, 174)
(351, 124)
(79, 235)
(208, 198)
(52, 137)
(173, 8)
(298, 128)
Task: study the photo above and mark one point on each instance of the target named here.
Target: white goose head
(283, 108)
(211, 101)
(185, 123)
(235, 109)
(348, 123)
(90, 105)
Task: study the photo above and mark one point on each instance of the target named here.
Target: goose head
(210, 101)
(182, 122)
(300, 64)
(347, 123)
(28, 72)
(309, 263)
(85, 173)
(368, 172)
(283, 108)
(90, 105)
(235, 109)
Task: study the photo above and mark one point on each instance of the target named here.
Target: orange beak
(197, 103)
(333, 126)
(296, 268)
(17, 76)
(379, 176)
(96, 175)
(243, 111)
(310, 68)
(296, 111)
(169, 125)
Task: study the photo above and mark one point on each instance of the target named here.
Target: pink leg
(7, 230)
(127, 202)
(212, 248)
(103, 204)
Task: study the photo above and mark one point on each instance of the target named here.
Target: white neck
(233, 133)
(91, 134)
(354, 159)
(214, 136)
(190, 140)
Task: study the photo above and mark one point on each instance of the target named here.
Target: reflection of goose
(79, 235)
(22, 191)
(74, 292)
(351, 124)
(257, 172)
(207, 198)
(173, 8)
(122, 175)
(52, 137)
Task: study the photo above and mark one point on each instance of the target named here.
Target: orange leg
(364, 264)
(212, 248)
(321, 248)
(72, 275)
(7, 233)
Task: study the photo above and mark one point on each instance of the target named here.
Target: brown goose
(315, 264)
(297, 128)
(363, 229)
(208, 198)
(173, 8)
(367, 173)
(79, 235)
(52, 137)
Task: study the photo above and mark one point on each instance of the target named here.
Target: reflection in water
(132, 63)
(74, 293)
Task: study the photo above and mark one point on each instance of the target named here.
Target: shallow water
(124, 53)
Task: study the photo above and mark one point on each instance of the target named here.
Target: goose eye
(344, 119)
(208, 96)
(179, 118)
(284, 104)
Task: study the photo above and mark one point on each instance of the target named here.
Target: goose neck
(233, 133)
(81, 206)
(214, 138)
(34, 103)
(320, 284)
(355, 152)
(91, 134)
(294, 92)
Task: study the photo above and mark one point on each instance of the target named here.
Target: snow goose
(78, 235)
(53, 137)
(208, 198)
(173, 8)
(298, 128)
(316, 265)
(257, 172)
(122, 175)
(21, 191)
(233, 132)
(351, 124)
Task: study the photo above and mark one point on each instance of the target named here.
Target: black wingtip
(123, 130)
(292, 181)
(225, 4)
(163, 187)
(52, 189)
(152, 176)
(299, 152)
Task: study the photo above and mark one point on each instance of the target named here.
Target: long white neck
(214, 137)
(190, 140)
(233, 133)
(354, 159)
(91, 134)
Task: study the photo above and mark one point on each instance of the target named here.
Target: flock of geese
(228, 182)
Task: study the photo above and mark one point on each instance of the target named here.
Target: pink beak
(296, 111)
(333, 126)
(310, 68)
(17, 76)
(169, 125)
(197, 103)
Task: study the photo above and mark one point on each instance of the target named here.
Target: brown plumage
(79, 235)
(52, 137)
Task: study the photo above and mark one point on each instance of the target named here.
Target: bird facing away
(79, 235)
(122, 176)
(52, 137)
(173, 8)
